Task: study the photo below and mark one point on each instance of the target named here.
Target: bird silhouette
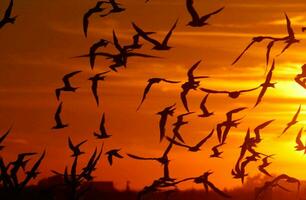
(301, 78)
(103, 133)
(178, 124)
(152, 81)
(57, 117)
(2, 138)
(67, 86)
(7, 18)
(190, 84)
(157, 45)
(113, 153)
(258, 128)
(168, 111)
(98, 8)
(94, 48)
(204, 109)
(231, 94)
(293, 121)
(198, 21)
(270, 184)
(33, 173)
(94, 86)
(136, 44)
(291, 36)
(228, 124)
(265, 164)
(300, 146)
(216, 152)
(194, 148)
(266, 84)
(75, 148)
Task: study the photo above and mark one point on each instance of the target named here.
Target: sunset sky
(37, 51)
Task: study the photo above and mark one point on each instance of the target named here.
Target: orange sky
(36, 52)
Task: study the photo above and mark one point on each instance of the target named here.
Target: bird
(265, 164)
(136, 44)
(168, 111)
(152, 81)
(103, 133)
(98, 8)
(57, 117)
(204, 109)
(299, 144)
(75, 148)
(67, 86)
(7, 18)
(216, 152)
(258, 128)
(190, 84)
(266, 84)
(194, 148)
(301, 78)
(2, 138)
(94, 48)
(198, 21)
(113, 153)
(228, 124)
(231, 94)
(157, 45)
(94, 86)
(291, 37)
(293, 121)
(33, 172)
(178, 124)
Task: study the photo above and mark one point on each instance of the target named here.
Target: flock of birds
(248, 151)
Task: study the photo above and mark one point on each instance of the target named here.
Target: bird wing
(289, 28)
(191, 70)
(169, 81)
(94, 88)
(146, 91)
(145, 36)
(116, 42)
(217, 190)
(184, 98)
(9, 9)
(269, 47)
(177, 143)
(205, 17)
(165, 41)
(57, 116)
(71, 146)
(192, 11)
(205, 139)
(238, 58)
(249, 90)
(5, 135)
(259, 127)
(68, 76)
(139, 158)
(298, 139)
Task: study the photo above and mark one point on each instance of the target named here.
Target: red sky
(37, 51)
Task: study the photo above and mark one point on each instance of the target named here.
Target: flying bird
(258, 128)
(67, 86)
(265, 164)
(103, 133)
(94, 48)
(291, 37)
(216, 152)
(98, 8)
(157, 45)
(75, 148)
(194, 148)
(293, 121)
(113, 153)
(57, 117)
(152, 81)
(7, 18)
(266, 84)
(204, 109)
(231, 94)
(168, 111)
(115, 7)
(299, 144)
(94, 86)
(190, 84)
(178, 124)
(198, 21)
